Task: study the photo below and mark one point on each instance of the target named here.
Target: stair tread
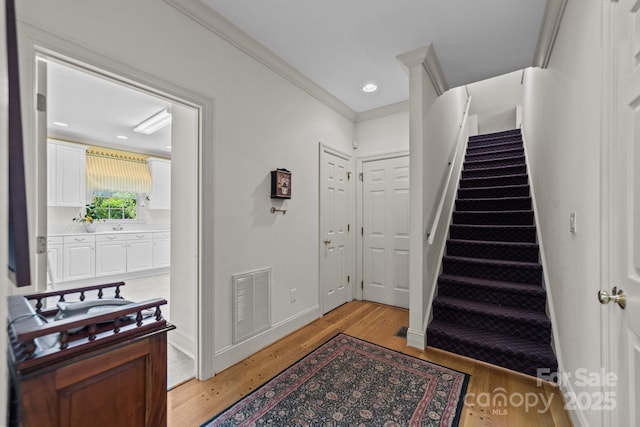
(496, 243)
(512, 286)
(494, 262)
(514, 175)
(471, 161)
(486, 199)
(494, 168)
(498, 146)
(499, 342)
(497, 187)
(493, 310)
(503, 150)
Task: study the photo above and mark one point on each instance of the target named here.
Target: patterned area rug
(350, 382)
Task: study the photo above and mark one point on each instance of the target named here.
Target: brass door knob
(616, 296)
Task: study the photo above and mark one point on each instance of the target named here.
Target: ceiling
(342, 45)
(97, 110)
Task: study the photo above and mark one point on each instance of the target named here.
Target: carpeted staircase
(490, 303)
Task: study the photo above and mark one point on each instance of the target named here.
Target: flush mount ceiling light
(121, 137)
(370, 87)
(61, 124)
(154, 123)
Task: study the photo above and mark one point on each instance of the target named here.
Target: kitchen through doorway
(111, 167)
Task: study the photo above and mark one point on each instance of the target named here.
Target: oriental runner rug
(351, 382)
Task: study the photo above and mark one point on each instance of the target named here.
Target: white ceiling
(97, 110)
(341, 45)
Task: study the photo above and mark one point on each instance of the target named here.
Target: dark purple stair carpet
(494, 192)
(519, 295)
(493, 217)
(491, 304)
(495, 318)
(492, 162)
(512, 251)
(511, 352)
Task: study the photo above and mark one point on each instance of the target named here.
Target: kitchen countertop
(107, 229)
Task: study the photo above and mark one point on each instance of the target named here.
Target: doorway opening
(102, 171)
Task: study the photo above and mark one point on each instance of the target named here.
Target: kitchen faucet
(117, 227)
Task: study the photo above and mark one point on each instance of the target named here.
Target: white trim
(426, 56)
(223, 28)
(551, 312)
(577, 416)
(35, 41)
(231, 354)
(553, 12)
(417, 339)
(386, 110)
(359, 240)
(185, 344)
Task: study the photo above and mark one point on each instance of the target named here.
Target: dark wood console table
(102, 369)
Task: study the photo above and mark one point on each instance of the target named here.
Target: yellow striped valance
(113, 170)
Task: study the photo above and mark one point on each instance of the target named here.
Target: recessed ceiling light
(122, 137)
(61, 124)
(370, 87)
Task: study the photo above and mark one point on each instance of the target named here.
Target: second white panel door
(385, 219)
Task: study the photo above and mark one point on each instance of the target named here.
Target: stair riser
(504, 153)
(481, 164)
(518, 274)
(492, 142)
(493, 218)
(499, 134)
(505, 204)
(527, 365)
(494, 172)
(494, 182)
(534, 331)
(484, 192)
(490, 149)
(488, 251)
(493, 234)
(533, 302)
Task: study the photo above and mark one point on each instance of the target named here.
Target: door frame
(38, 43)
(360, 161)
(322, 149)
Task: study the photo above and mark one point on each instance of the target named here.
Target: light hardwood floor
(194, 402)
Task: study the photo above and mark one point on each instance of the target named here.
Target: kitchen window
(120, 206)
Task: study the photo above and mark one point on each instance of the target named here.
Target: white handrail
(434, 226)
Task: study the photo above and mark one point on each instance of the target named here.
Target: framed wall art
(280, 184)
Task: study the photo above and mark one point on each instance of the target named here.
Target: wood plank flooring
(194, 402)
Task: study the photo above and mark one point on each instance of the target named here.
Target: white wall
(261, 122)
(494, 101)
(561, 125)
(382, 135)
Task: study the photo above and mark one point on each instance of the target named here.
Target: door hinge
(348, 279)
(348, 176)
(348, 228)
(41, 102)
(41, 245)
(362, 231)
(360, 176)
(362, 284)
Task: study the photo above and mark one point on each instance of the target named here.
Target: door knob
(327, 242)
(616, 296)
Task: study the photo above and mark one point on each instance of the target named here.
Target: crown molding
(223, 28)
(426, 56)
(553, 12)
(385, 110)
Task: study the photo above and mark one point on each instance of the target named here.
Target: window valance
(114, 170)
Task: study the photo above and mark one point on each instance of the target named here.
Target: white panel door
(334, 225)
(621, 345)
(385, 219)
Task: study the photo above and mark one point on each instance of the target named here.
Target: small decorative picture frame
(280, 184)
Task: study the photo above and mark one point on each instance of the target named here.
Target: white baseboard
(185, 344)
(577, 416)
(235, 353)
(416, 339)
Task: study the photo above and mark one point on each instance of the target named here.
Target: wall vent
(251, 303)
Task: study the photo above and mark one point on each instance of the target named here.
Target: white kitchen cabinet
(66, 165)
(160, 183)
(79, 257)
(161, 249)
(55, 258)
(111, 254)
(139, 251)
